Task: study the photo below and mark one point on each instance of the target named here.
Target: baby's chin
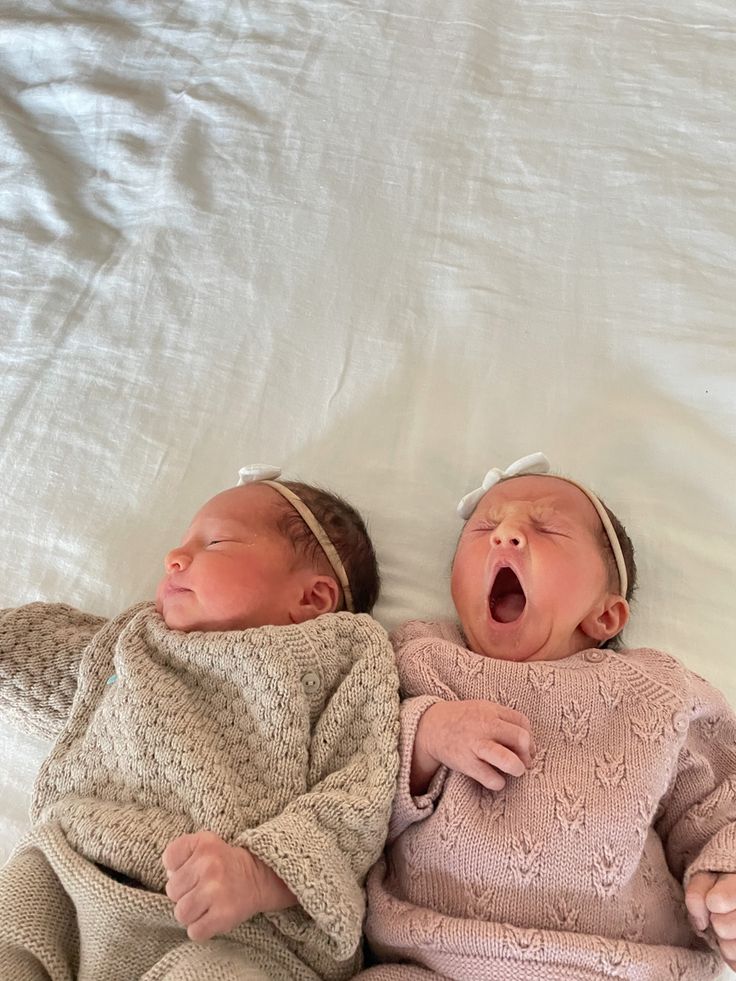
(178, 619)
(506, 642)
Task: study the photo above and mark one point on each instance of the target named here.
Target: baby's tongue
(508, 608)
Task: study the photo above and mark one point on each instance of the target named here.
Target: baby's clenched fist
(216, 886)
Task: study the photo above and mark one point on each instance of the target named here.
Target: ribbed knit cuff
(409, 809)
(718, 857)
(317, 873)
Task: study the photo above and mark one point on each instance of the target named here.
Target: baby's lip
(173, 587)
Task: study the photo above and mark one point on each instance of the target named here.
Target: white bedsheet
(384, 246)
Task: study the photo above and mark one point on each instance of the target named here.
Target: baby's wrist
(270, 893)
(424, 762)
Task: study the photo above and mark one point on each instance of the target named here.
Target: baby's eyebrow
(548, 511)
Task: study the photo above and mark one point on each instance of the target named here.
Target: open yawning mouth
(507, 600)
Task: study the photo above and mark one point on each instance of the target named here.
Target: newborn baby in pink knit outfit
(566, 808)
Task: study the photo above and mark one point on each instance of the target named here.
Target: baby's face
(234, 569)
(529, 579)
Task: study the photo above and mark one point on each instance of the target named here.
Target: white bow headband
(265, 474)
(537, 463)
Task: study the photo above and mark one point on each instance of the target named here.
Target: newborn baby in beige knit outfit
(566, 809)
(225, 759)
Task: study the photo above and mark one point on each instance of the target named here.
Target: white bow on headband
(257, 471)
(534, 463)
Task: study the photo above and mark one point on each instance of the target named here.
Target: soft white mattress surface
(384, 246)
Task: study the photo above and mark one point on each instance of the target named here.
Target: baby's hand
(478, 738)
(711, 899)
(214, 885)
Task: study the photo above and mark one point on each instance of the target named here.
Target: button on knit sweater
(576, 869)
(279, 739)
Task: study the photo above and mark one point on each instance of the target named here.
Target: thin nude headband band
(264, 474)
(537, 463)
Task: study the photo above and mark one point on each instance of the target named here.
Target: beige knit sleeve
(698, 824)
(41, 645)
(323, 844)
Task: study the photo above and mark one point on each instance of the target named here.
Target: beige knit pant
(62, 919)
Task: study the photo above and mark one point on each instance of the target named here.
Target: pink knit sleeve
(408, 809)
(698, 825)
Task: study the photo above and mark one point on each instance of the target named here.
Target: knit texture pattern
(278, 739)
(576, 869)
(63, 919)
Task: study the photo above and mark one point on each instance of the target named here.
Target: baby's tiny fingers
(181, 882)
(513, 737)
(483, 774)
(515, 717)
(204, 929)
(698, 888)
(501, 758)
(724, 925)
(728, 951)
(189, 909)
(722, 897)
(178, 851)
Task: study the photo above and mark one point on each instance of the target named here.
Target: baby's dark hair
(627, 548)
(346, 530)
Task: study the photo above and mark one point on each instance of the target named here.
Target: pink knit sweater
(575, 870)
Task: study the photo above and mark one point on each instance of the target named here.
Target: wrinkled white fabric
(382, 245)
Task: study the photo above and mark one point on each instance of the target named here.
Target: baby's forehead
(541, 494)
(251, 506)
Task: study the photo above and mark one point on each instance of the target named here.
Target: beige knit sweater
(576, 869)
(279, 739)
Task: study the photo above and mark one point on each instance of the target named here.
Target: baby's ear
(606, 619)
(319, 594)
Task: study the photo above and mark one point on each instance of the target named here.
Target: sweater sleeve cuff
(329, 897)
(718, 856)
(408, 809)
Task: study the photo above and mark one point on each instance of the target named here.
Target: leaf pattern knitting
(635, 923)
(414, 866)
(481, 900)
(506, 698)
(564, 915)
(469, 666)
(537, 767)
(575, 722)
(526, 944)
(449, 819)
(540, 679)
(711, 727)
(644, 816)
(610, 770)
(649, 727)
(647, 872)
(610, 693)
(492, 804)
(524, 858)
(570, 809)
(606, 870)
(677, 971)
(613, 959)
(427, 932)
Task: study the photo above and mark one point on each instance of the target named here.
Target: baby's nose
(177, 560)
(508, 534)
